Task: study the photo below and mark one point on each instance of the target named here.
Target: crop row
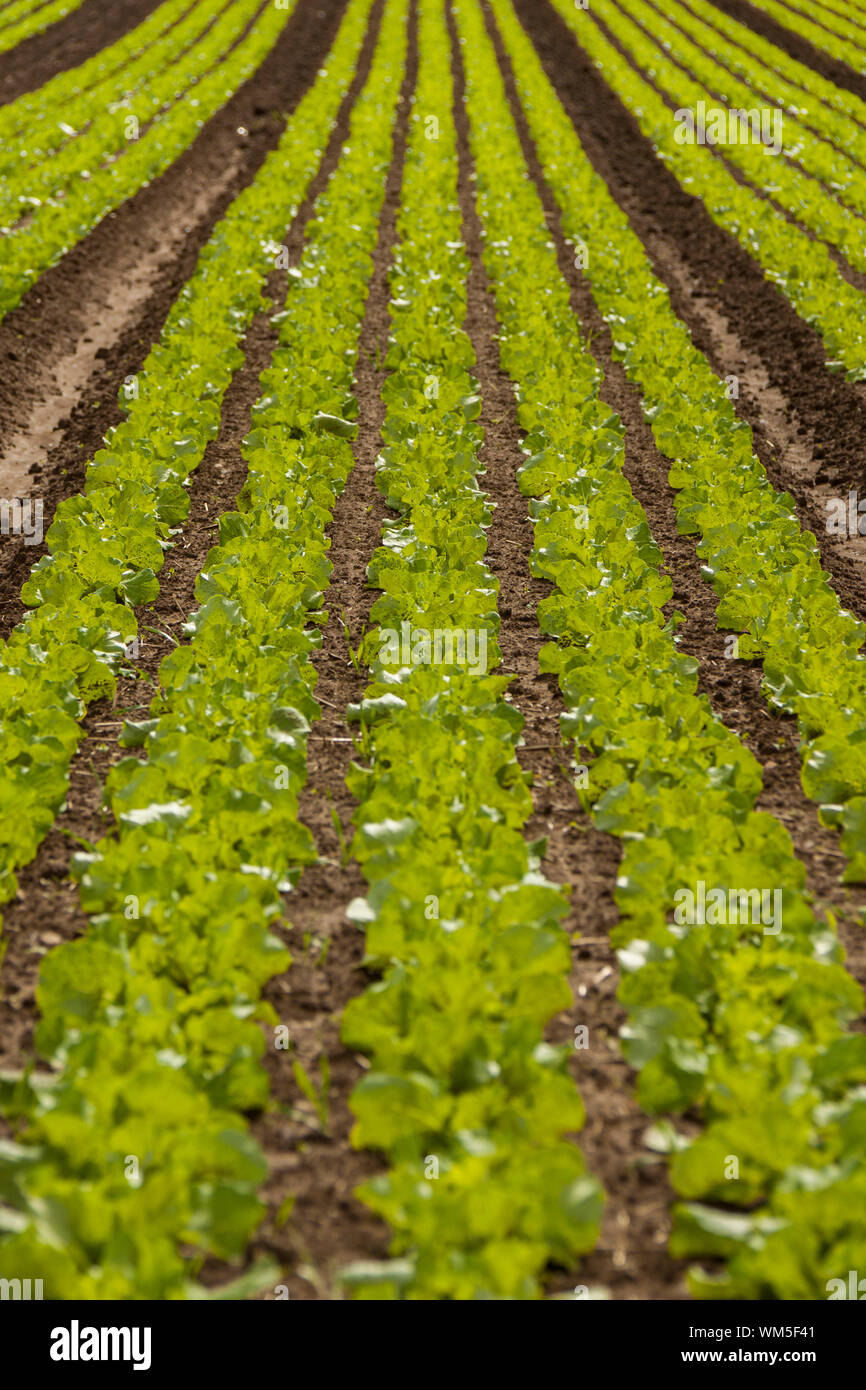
(30, 159)
(842, 19)
(32, 246)
(831, 35)
(107, 545)
(136, 1145)
(470, 1104)
(796, 90)
(738, 1019)
(766, 571)
(780, 62)
(815, 206)
(842, 8)
(170, 74)
(848, 9)
(38, 115)
(28, 17)
(803, 269)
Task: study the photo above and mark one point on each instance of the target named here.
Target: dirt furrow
(46, 909)
(90, 321)
(798, 47)
(67, 43)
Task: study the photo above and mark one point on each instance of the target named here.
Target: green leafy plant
(316, 1095)
(484, 1187)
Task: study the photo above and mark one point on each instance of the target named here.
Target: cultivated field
(432, 691)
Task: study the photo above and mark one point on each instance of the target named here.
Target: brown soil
(91, 320)
(67, 43)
